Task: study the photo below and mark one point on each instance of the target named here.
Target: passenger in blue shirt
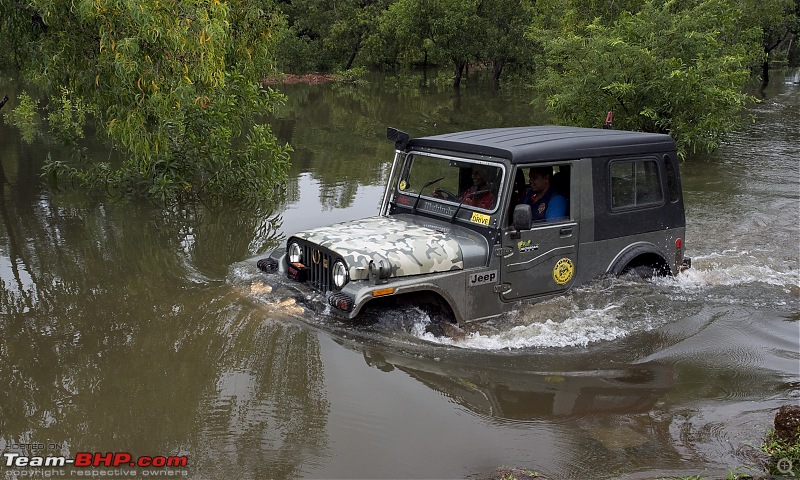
(546, 202)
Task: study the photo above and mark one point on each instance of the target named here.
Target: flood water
(129, 328)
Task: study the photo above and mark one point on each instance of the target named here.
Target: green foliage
(176, 86)
(448, 30)
(503, 26)
(328, 34)
(778, 20)
(24, 117)
(298, 53)
(736, 474)
(17, 32)
(67, 117)
(783, 453)
(352, 24)
(353, 75)
(664, 69)
(572, 15)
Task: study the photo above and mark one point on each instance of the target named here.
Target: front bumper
(296, 278)
(349, 301)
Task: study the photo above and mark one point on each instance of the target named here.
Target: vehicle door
(542, 260)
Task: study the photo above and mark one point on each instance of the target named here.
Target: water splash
(733, 268)
(607, 309)
(589, 326)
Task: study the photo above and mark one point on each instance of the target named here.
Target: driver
(478, 195)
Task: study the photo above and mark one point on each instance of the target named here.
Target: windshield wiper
(414, 210)
(473, 194)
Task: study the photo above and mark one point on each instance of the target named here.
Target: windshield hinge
(502, 287)
(503, 251)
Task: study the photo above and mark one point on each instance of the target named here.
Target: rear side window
(634, 183)
(672, 179)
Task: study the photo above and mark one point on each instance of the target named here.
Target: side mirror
(523, 218)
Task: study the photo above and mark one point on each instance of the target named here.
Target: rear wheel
(646, 270)
(642, 271)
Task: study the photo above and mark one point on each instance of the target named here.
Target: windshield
(469, 183)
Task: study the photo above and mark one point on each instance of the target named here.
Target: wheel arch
(639, 255)
(428, 297)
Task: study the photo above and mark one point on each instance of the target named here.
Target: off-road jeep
(432, 245)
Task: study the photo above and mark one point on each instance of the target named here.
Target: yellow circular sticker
(563, 271)
(403, 185)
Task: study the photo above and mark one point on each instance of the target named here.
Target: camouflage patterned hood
(409, 248)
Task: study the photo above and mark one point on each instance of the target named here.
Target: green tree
(354, 23)
(669, 69)
(328, 34)
(779, 21)
(300, 47)
(176, 85)
(449, 29)
(504, 23)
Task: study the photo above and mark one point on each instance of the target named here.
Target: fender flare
(421, 288)
(630, 252)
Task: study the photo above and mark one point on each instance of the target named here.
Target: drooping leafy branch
(175, 85)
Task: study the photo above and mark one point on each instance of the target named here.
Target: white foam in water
(734, 268)
(544, 328)
(580, 329)
(243, 271)
(588, 316)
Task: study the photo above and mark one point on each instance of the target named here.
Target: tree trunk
(497, 69)
(352, 58)
(459, 72)
(353, 55)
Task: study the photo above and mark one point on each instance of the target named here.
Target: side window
(672, 178)
(546, 188)
(634, 183)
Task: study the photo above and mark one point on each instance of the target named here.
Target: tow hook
(686, 264)
(267, 264)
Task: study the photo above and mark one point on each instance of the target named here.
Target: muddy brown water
(126, 328)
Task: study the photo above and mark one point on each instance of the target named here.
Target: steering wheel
(450, 195)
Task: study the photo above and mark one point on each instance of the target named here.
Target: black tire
(643, 271)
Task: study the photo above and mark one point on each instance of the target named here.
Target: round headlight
(339, 274)
(295, 253)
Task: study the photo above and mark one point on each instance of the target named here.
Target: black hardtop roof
(545, 143)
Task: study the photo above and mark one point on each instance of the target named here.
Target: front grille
(320, 266)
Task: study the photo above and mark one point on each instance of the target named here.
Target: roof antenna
(608, 125)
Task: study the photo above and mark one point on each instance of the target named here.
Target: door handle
(566, 231)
